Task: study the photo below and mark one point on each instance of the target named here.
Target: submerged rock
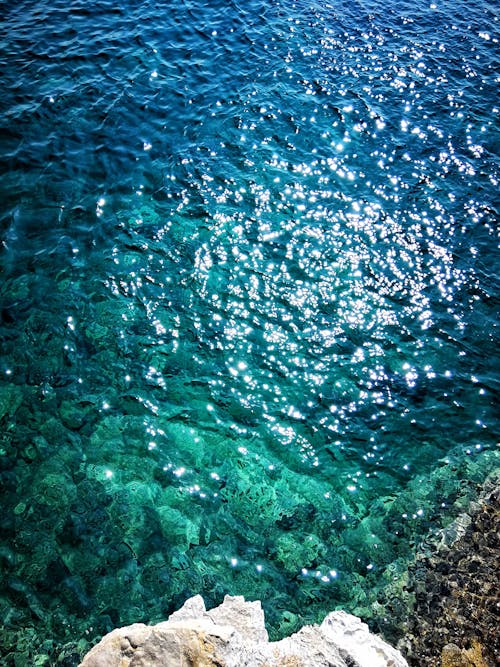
(456, 606)
(454, 656)
(234, 635)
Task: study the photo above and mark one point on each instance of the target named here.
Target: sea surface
(249, 304)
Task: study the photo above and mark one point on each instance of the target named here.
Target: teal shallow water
(248, 303)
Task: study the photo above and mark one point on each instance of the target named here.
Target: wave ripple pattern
(248, 305)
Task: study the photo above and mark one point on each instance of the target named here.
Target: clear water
(248, 302)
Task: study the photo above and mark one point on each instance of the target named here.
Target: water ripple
(248, 302)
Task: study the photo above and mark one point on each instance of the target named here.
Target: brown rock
(454, 656)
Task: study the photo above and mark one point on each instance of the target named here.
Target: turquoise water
(248, 304)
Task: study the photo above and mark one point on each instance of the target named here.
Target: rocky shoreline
(441, 610)
(234, 635)
(451, 616)
(455, 616)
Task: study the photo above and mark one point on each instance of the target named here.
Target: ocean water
(249, 304)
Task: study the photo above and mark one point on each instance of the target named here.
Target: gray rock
(455, 531)
(234, 635)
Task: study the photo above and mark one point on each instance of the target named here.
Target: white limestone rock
(247, 617)
(234, 635)
(192, 608)
(353, 638)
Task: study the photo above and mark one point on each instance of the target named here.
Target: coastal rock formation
(234, 635)
(455, 616)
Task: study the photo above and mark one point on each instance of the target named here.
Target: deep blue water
(248, 303)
